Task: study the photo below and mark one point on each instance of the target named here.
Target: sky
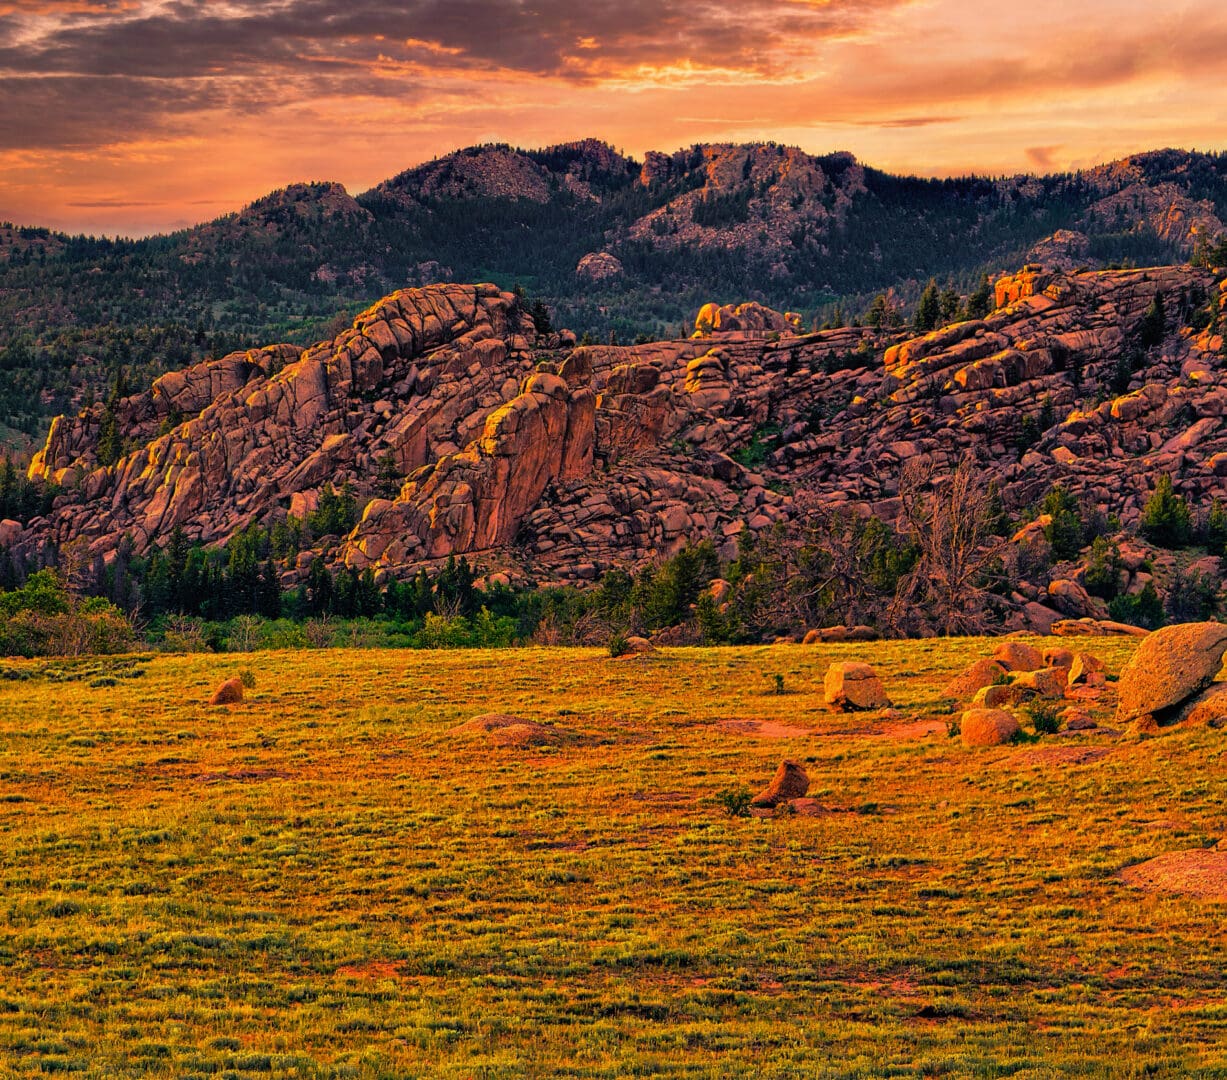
(138, 116)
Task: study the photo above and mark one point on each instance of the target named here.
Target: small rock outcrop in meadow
(853, 686)
(501, 729)
(790, 782)
(1169, 672)
(228, 693)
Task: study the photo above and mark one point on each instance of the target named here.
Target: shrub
(735, 801)
(1043, 716)
(1142, 608)
(1064, 531)
(618, 645)
(1192, 597)
(1102, 577)
(1166, 519)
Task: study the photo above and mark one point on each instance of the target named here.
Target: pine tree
(1166, 518)
(928, 311)
(1153, 326)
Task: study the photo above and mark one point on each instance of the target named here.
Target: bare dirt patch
(1057, 755)
(370, 970)
(1201, 872)
(246, 776)
(765, 729)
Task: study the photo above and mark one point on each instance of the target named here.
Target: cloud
(1042, 156)
(191, 103)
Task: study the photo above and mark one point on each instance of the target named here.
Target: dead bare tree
(949, 520)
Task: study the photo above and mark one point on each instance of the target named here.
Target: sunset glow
(145, 115)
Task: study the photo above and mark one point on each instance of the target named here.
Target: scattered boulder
(850, 686)
(636, 646)
(978, 675)
(1169, 667)
(1046, 683)
(1094, 628)
(1207, 708)
(789, 782)
(988, 727)
(505, 730)
(1200, 872)
(599, 266)
(229, 693)
(1077, 719)
(1055, 657)
(1015, 656)
(1084, 666)
(997, 696)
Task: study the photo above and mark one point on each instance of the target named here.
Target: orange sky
(144, 115)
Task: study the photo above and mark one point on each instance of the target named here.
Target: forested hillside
(818, 235)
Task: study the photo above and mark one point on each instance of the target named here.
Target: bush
(1044, 717)
(618, 645)
(1192, 597)
(1142, 608)
(1166, 519)
(735, 801)
(1064, 531)
(1103, 571)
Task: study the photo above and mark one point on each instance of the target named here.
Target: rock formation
(553, 462)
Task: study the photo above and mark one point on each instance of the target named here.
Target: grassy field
(325, 882)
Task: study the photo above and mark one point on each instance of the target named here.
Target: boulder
(1084, 666)
(1078, 719)
(1055, 657)
(1169, 667)
(978, 675)
(635, 644)
(599, 266)
(789, 782)
(988, 727)
(1208, 707)
(1046, 683)
(850, 686)
(229, 693)
(1015, 656)
(997, 696)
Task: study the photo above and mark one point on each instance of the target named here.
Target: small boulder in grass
(850, 686)
(1058, 658)
(1015, 656)
(978, 675)
(988, 727)
(229, 693)
(789, 782)
(1084, 666)
(1046, 683)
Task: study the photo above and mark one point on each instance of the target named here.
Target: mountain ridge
(760, 222)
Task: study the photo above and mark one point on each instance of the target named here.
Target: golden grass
(324, 881)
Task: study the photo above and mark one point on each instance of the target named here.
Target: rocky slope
(551, 461)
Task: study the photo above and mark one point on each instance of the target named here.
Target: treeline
(944, 567)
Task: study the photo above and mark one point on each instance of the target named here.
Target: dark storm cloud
(556, 38)
(75, 74)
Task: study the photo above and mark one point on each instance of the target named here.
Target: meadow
(325, 881)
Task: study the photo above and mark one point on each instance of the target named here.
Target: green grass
(322, 882)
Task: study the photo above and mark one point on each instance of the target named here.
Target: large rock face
(538, 457)
(1169, 667)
